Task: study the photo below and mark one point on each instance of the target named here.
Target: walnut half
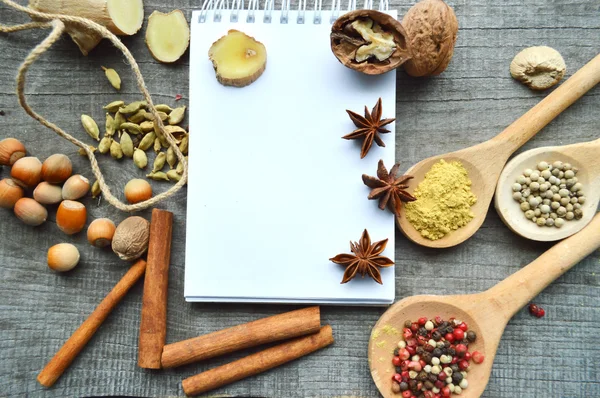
(369, 41)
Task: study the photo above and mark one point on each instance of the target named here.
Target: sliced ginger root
(238, 59)
(121, 17)
(167, 35)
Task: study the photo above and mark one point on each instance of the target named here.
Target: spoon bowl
(485, 161)
(586, 157)
(485, 313)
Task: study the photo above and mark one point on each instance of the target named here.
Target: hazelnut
(432, 28)
(47, 194)
(138, 190)
(63, 257)
(369, 41)
(11, 150)
(71, 216)
(131, 238)
(27, 171)
(100, 232)
(10, 193)
(538, 68)
(75, 187)
(56, 169)
(30, 212)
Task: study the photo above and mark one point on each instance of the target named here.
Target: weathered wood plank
(470, 102)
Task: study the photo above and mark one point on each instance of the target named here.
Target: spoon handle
(514, 292)
(528, 125)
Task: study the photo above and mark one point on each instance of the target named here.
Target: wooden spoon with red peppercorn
(485, 313)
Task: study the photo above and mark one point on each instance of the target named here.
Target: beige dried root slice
(121, 17)
(538, 67)
(167, 35)
(238, 59)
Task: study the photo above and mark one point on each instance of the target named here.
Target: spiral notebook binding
(218, 6)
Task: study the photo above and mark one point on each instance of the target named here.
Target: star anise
(389, 189)
(369, 127)
(365, 260)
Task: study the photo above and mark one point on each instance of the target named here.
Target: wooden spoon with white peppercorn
(584, 157)
(486, 313)
(484, 162)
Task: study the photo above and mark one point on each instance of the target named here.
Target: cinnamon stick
(153, 325)
(266, 330)
(257, 363)
(67, 353)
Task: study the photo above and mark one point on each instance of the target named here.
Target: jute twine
(57, 23)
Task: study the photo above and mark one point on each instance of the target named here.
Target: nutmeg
(138, 190)
(27, 172)
(100, 232)
(63, 257)
(11, 150)
(431, 28)
(56, 169)
(369, 41)
(71, 216)
(75, 187)
(131, 237)
(30, 212)
(47, 194)
(10, 193)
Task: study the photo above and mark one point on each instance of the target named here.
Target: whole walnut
(431, 27)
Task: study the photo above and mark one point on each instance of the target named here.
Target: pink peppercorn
(396, 361)
(439, 384)
(461, 350)
(407, 333)
(467, 356)
(421, 340)
(414, 327)
(449, 337)
(459, 334)
(411, 343)
(463, 365)
(477, 357)
(438, 320)
(403, 354)
(397, 377)
(406, 394)
(404, 374)
(423, 363)
(437, 396)
(422, 321)
(446, 391)
(442, 376)
(428, 394)
(540, 313)
(463, 326)
(416, 366)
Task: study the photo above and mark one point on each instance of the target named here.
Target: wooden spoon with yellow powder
(442, 218)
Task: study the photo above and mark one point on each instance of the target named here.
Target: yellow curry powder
(444, 201)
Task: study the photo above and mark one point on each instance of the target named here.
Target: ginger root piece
(238, 59)
(167, 35)
(538, 68)
(121, 17)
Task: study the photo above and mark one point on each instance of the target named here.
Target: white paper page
(274, 191)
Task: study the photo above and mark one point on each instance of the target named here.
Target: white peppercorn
(542, 166)
(559, 222)
(570, 215)
(516, 187)
(534, 176)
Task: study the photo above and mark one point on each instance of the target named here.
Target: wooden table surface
(470, 102)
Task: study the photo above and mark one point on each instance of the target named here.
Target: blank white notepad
(274, 191)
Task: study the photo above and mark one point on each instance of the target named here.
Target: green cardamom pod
(113, 77)
(133, 107)
(119, 120)
(147, 126)
(159, 162)
(183, 147)
(147, 141)
(175, 131)
(104, 146)
(163, 108)
(150, 116)
(176, 116)
(140, 159)
(157, 145)
(96, 189)
(90, 127)
(132, 128)
(82, 151)
(114, 106)
(137, 117)
(179, 168)
(158, 176)
(171, 157)
(110, 125)
(173, 175)
(127, 145)
(115, 150)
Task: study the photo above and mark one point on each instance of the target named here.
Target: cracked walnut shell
(432, 28)
(369, 41)
(538, 68)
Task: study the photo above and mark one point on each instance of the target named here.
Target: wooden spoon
(486, 313)
(485, 161)
(585, 156)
